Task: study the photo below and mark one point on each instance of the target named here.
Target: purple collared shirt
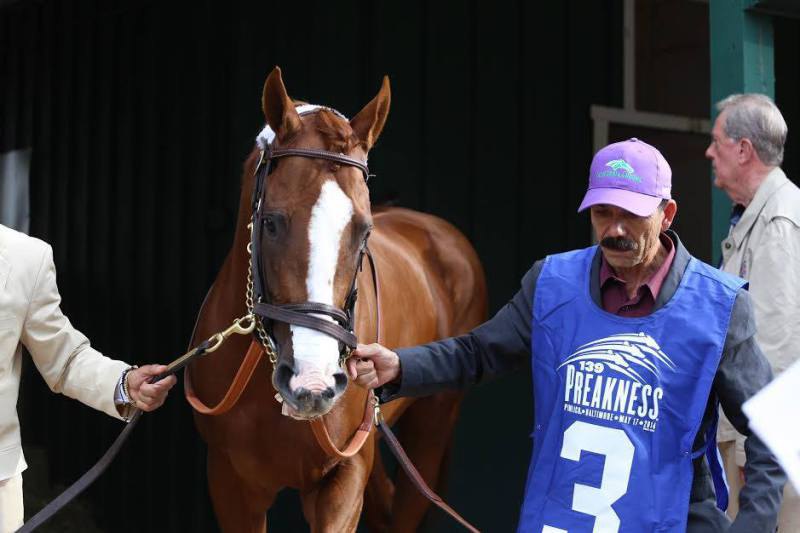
(615, 297)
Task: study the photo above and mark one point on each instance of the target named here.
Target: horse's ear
(368, 123)
(278, 107)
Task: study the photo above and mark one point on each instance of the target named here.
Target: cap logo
(620, 164)
(620, 169)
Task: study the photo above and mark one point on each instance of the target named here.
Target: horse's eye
(270, 225)
(273, 224)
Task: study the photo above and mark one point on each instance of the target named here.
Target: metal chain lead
(249, 296)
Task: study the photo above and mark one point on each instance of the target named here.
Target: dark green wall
(140, 114)
(787, 89)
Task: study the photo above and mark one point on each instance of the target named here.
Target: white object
(775, 417)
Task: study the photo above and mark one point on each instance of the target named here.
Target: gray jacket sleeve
(496, 347)
(742, 372)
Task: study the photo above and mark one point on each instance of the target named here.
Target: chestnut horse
(431, 286)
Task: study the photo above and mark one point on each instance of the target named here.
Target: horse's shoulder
(432, 251)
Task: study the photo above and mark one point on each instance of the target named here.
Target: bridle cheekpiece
(335, 322)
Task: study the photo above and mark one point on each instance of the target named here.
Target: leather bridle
(338, 323)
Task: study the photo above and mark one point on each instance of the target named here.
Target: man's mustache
(619, 243)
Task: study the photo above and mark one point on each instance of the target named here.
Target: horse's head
(315, 217)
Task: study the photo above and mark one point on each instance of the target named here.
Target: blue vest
(619, 401)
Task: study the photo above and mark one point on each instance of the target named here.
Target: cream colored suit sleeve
(62, 354)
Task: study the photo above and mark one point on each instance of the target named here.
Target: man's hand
(148, 396)
(372, 365)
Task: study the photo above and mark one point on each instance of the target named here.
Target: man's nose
(617, 229)
(709, 155)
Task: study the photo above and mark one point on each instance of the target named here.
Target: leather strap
(322, 154)
(319, 308)
(356, 442)
(282, 314)
(102, 464)
(83, 482)
(240, 381)
(416, 478)
(377, 287)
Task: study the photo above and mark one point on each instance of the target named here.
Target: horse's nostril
(340, 380)
(303, 395)
(284, 373)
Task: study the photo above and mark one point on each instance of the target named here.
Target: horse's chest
(281, 456)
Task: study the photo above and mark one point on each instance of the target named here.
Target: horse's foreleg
(425, 429)
(335, 504)
(238, 508)
(378, 497)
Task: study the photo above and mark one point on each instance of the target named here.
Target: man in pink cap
(631, 210)
(633, 344)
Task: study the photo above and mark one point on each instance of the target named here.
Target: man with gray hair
(763, 247)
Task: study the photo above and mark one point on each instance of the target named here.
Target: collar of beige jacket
(774, 181)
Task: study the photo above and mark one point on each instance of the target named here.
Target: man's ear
(746, 151)
(670, 210)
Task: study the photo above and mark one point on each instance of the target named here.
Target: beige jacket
(764, 248)
(30, 315)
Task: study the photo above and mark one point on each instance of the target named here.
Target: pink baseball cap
(630, 174)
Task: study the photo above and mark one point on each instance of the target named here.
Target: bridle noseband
(299, 314)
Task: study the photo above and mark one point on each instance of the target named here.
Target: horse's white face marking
(316, 354)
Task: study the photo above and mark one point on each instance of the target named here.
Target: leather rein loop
(236, 388)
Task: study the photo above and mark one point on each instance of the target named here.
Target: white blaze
(317, 354)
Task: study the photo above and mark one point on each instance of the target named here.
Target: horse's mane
(337, 132)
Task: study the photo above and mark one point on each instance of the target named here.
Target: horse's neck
(244, 216)
(238, 256)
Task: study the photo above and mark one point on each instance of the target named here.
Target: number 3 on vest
(615, 445)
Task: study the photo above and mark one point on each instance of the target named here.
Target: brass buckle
(217, 339)
(377, 416)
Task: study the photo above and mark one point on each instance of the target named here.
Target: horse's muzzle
(310, 393)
